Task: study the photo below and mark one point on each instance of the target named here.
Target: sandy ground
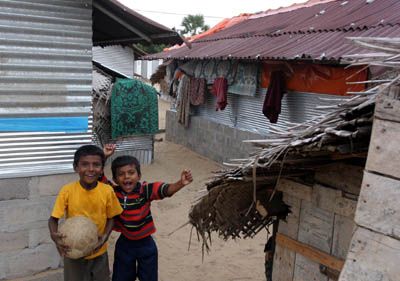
(228, 260)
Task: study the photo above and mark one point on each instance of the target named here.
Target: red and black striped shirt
(136, 221)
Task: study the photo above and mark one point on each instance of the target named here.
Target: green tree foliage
(151, 48)
(193, 24)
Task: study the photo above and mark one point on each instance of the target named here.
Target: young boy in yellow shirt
(93, 199)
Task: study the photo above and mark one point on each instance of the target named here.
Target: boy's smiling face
(127, 177)
(89, 168)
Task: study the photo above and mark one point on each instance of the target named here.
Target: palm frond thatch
(242, 200)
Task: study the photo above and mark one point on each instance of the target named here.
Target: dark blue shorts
(135, 259)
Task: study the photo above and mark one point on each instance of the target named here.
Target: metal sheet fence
(244, 112)
(46, 72)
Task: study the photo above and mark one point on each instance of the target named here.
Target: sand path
(227, 261)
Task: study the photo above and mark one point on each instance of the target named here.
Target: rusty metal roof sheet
(318, 32)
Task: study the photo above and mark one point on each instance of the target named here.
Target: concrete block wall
(209, 138)
(25, 244)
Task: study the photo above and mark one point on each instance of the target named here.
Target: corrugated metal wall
(141, 147)
(45, 71)
(245, 112)
(118, 58)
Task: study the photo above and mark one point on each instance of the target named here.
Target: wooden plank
(342, 233)
(379, 207)
(295, 189)
(341, 176)
(306, 270)
(332, 200)
(384, 149)
(283, 264)
(310, 252)
(290, 227)
(388, 105)
(324, 197)
(345, 207)
(372, 256)
(316, 227)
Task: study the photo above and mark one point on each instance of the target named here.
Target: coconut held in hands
(80, 235)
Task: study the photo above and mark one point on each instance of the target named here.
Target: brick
(16, 188)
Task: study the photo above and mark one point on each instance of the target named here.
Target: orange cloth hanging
(322, 79)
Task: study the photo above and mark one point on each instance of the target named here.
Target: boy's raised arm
(186, 178)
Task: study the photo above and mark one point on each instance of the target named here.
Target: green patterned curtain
(134, 108)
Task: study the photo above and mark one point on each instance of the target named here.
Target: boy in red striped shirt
(135, 251)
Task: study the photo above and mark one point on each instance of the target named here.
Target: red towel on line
(220, 90)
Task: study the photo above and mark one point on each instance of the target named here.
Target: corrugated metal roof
(114, 23)
(318, 32)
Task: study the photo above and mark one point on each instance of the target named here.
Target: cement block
(51, 185)
(39, 236)
(229, 132)
(49, 275)
(215, 127)
(21, 214)
(14, 188)
(30, 261)
(11, 241)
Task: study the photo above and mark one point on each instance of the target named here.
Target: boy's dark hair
(123, 161)
(86, 150)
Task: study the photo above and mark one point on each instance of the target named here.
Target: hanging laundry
(220, 90)
(183, 100)
(197, 90)
(245, 82)
(273, 98)
(134, 108)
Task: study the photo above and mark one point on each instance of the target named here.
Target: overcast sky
(171, 12)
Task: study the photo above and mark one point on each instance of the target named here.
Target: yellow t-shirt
(98, 204)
